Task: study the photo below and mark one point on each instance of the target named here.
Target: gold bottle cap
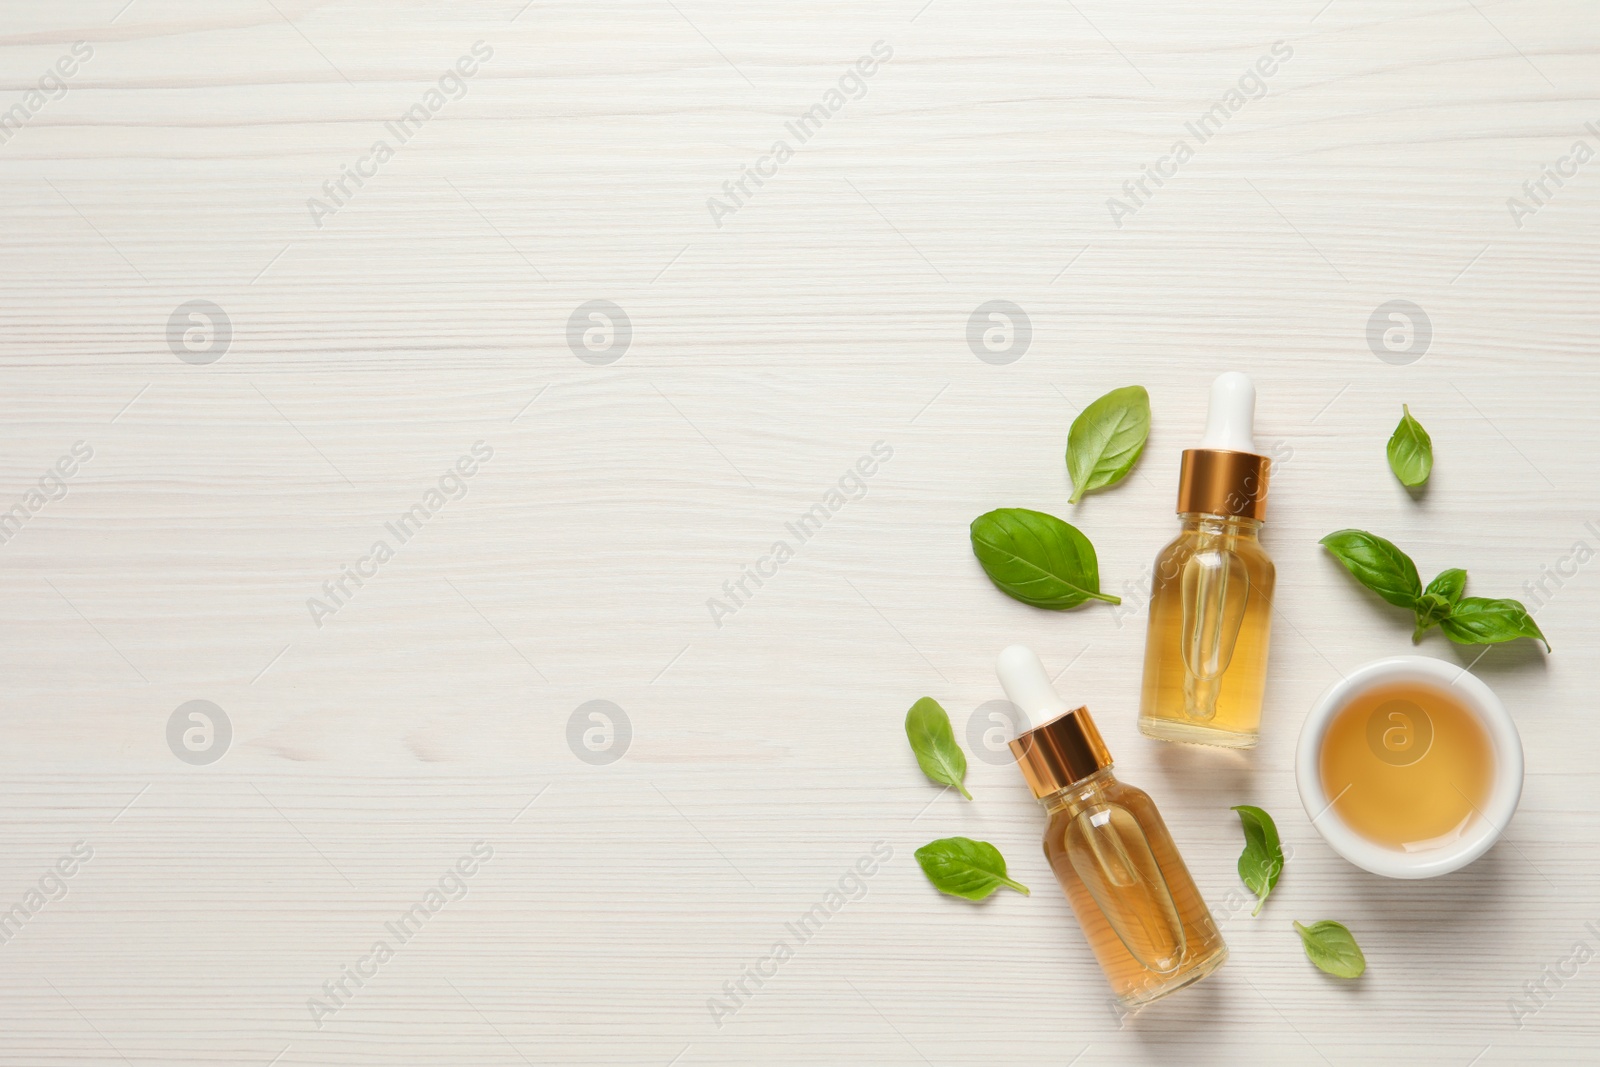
(1215, 481)
(1225, 475)
(1064, 750)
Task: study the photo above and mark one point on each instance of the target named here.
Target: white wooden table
(350, 354)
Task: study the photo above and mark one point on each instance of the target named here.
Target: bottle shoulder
(1190, 542)
(1130, 796)
(1110, 790)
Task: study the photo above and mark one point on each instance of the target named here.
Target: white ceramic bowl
(1482, 832)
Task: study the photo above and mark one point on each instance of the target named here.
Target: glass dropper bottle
(1205, 667)
(1140, 910)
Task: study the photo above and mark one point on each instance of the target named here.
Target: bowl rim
(1486, 707)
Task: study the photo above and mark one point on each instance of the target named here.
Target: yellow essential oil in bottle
(1143, 916)
(1205, 662)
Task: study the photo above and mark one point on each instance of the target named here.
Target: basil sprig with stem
(965, 868)
(1410, 451)
(1332, 947)
(1107, 438)
(1261, 862)
(934, 743)
(1466, 620)
(1038, 558)
(1438, 600)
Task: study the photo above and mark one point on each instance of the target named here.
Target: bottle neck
(1080, 794)
(1229, 525)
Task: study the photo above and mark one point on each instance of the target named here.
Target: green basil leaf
(1106, 439)
(1410, 450)
(934, 742)
(966, 868)
(1037, 558)
(1476, 620)
(1449, 584)
(1438, 599)
(1261, 862)
(1332, 948)
(1431, 610)
(1378, 565)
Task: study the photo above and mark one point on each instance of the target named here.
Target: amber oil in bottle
(1109, 848)
(1210, 611)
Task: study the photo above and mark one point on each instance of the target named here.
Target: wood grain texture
(830, 311)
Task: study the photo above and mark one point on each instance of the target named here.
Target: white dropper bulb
(1027, 685)
(1230, 424)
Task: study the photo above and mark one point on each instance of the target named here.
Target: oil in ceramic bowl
(1408, 765)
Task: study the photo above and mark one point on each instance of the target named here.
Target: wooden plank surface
(357, 344)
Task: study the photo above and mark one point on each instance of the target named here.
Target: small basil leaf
(1437, 600)
(1106, 439)
(966, 868)
(1261, 862)
(1476, 620)
(1449, 584)
(1378, 565)
(1410, 450)
(1037, 558)
(1332, 948)
(1431, 610)
(934, 742)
